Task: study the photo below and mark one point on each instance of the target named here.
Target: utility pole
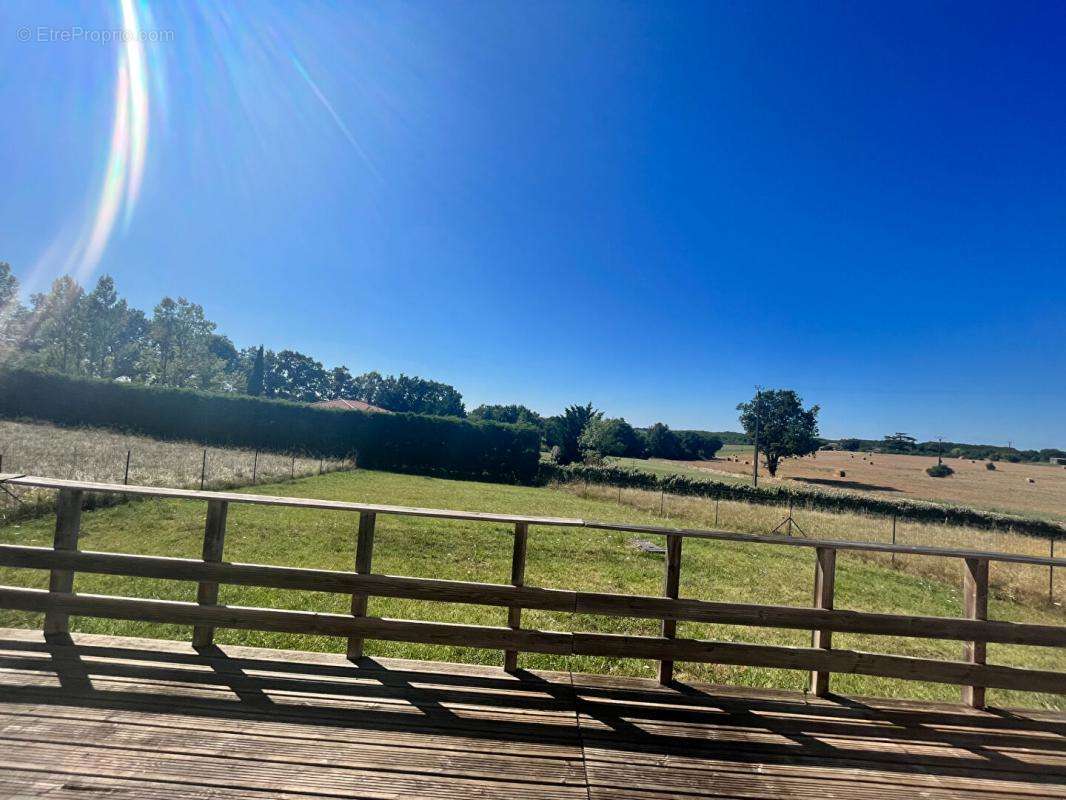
(755, 469)
(939, 449)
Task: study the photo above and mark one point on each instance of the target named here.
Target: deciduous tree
(786, 429)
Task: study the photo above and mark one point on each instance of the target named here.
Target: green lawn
(661, 468)
(578, 559)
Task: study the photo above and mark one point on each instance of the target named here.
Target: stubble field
(1006, 489)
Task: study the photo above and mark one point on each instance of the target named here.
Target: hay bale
(842, 474)
(1030, 480)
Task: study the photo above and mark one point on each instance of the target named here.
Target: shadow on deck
(136, 718)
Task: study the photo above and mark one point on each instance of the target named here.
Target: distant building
(1057, 460)
(350, 405)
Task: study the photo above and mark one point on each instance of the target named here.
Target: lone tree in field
(785, 427)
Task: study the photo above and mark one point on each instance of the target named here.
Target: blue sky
(652, 206)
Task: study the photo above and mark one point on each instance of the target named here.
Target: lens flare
(129, 145)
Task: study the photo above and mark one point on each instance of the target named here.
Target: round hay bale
(1030, 480)
(842, 474)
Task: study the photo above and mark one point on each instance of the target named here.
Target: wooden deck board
(139, 719)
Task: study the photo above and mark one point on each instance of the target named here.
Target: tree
(512, 414)
(342, 384)
(564, 431)
(850, 445)
(56, 328)
(104, 317)
(408, 393)
(786, 429)
(899, 443)
(661, 442)
(698, 445)
(12, 312)
(610, 437)
(257, 375)
(9, 286)
(295, 376)
(180, 339)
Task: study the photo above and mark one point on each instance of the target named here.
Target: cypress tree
(255, 377)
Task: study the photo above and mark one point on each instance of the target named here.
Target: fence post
(292, 469)
(975, 606)
(255, 467)
(1051, 576)
(671, 586)
(518, 578)
(893, 539)
(126, 477)
(364, 552)
(68, 525)
(207, 591)
(825, 570)
(203, 470)
(716, 501)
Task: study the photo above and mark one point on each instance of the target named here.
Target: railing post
(975, 606)
(518, 578)
(68, 525)
(825, 571)
(364, 553)
(671, 587)
(207, 591)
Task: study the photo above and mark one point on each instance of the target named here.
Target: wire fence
(107, 457)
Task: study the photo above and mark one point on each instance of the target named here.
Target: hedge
(419, 443)
(912, 510)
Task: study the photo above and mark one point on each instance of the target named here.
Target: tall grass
(96, 454)
(1019, 582)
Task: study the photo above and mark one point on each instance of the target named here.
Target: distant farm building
(1057, 460)
(350, 405)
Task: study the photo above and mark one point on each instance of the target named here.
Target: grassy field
(1006, 489)
(693, 469)
(1019, 582)
(585, 559)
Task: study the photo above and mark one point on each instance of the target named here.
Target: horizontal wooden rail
(832, 544)
(15, 479)
(270, 500)
(535, 641)
(490, 594)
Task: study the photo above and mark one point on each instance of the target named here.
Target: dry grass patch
(97, 454)
(1006, 489)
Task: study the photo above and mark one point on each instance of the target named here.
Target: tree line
(583, 433)
(904, 443)
(98, 334)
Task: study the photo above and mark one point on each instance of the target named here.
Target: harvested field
(1006, 489)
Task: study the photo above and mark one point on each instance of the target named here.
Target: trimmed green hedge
(443, 446)
(913, 510)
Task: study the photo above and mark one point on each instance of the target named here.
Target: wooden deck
(103, 717)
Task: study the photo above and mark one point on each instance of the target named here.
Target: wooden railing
(975, 630)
